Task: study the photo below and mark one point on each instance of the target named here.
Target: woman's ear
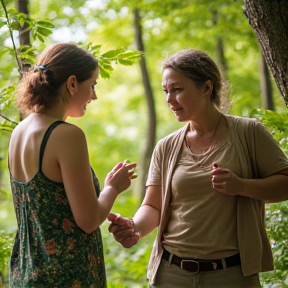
(72, 84)
(208, 88)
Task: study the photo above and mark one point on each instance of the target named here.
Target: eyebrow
(172, 83)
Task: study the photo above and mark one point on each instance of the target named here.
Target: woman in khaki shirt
(206, 187)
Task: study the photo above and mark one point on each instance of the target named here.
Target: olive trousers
(172, 276)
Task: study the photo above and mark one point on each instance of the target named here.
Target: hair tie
(40, 67)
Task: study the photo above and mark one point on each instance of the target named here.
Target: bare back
(24, 149)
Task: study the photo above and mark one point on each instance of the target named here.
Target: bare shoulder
(67, 131)
(68, 138)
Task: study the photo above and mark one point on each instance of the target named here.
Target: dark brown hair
(199, 67)
(40, 88)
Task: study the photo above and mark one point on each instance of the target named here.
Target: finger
(117, 219)
(130, 241)
(129, 166)
(116, 168)
(132, 175)
(122, 235)
(220, 171)
(113, 217)
(215, 165)
(120, 230)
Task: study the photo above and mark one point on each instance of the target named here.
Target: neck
(57, 112)
(205, 124)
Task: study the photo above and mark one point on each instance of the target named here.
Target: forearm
(105, 203)
(273, 188)
(146, 220)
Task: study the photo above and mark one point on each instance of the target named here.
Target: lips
(176, 109)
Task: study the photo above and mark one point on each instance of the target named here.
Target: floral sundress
(50, 250)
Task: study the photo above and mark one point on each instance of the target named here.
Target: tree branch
(11, 35)
(11, 121)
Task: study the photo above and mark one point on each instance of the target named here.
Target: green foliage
(120, 56)
(276, 213)
(115, 125)
(277, 123)
(277, 229)
(6, 240)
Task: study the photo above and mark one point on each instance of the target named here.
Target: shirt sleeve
(270, 158)
(154, 174)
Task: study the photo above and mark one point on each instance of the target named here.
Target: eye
(165, 91)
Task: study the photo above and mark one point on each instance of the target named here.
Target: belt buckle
(193, 261)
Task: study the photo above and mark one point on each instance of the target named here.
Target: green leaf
(2, 23)
(104, 73)
(96, 47)
(12, 11)
(125, 62)
(130, 55)
(105, 64)
(45, 23)
(43, 31)
(40, 37)
(14, 25)
(112, 53)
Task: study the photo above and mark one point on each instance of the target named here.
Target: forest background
(130, 114)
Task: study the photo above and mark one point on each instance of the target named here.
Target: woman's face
(84, 95)
(184, 98)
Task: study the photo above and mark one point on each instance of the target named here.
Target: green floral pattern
(50, 250)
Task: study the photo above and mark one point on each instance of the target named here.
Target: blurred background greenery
(116, 124)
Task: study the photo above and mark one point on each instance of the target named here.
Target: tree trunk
(221, 60)
(22, 6)
(269, 19)
(24, 32)
(266, 87)
(151, 130)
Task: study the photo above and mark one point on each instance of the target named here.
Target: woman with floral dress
(56, 194)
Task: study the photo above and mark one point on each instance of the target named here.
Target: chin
(179, 119)
(77, 115)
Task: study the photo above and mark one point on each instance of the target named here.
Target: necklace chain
(209, 148)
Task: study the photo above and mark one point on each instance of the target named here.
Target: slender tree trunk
(24, 33)
(269, 19)
(225, 103)
(22, 6)
(266, 87)
(151, 130)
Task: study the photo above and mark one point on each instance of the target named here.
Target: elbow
(87, 227)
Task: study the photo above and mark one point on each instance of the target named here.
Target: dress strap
(45, 139)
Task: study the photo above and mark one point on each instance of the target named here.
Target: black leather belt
(199, 265)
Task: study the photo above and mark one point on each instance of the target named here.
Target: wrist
(134, 228)
(111, 189)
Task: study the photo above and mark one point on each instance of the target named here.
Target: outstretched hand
(120, 176)
(123, 230)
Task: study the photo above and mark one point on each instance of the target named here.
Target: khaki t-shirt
(203, 221)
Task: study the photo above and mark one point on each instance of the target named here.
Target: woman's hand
(120, 176)
(225, 181)
(123, 230)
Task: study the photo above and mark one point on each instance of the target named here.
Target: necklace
(210, 146)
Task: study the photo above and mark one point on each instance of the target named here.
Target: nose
(94, 96)
(169, 98)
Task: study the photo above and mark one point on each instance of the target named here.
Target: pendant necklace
(210, 146)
